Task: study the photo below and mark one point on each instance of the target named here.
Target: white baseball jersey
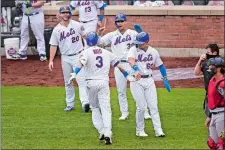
(69, 39)
(31, 9)
(97, 62)
(120, 43)
(87, 9)
(145, 60)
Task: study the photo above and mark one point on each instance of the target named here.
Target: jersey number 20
(100, 61)
(75, 39)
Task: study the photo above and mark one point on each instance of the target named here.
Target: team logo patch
(11, 51)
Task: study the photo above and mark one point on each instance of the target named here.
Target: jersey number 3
(100, 61)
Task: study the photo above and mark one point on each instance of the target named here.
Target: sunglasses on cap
(120, 21)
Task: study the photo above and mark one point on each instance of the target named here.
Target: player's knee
(122, 94)
(140, 109)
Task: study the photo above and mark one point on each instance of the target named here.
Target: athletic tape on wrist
(135, 67)
(125, 74)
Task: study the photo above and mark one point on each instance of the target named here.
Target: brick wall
(172, 31)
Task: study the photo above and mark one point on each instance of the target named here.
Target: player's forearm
(38, 4)
(101, 16)
(198, 68)
(131, 61)
(124, 72)
(100, 42)
(53, 50)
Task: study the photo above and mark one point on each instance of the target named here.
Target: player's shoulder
(57, 27)
(131, 31)
(74, 22)
(151, 49)
(133, 48)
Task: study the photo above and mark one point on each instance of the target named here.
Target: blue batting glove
(137, 28)
(167, 85)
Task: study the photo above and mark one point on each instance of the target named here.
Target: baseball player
(34, 10)
(142, 60)
(121, 40)
(88, 14)
(68, 36)
(216, 103)
(96, 61)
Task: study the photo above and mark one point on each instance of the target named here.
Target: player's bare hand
(58, 16)
(101, 31)
(99, 24)
(72, 78)
(131, 78)
(137, 75)
(207, 122)
(50, 65)
(202, 57)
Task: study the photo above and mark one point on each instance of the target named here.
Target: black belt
(75, 53)
(123, 60)
(86, 21)
(146, 76)
(32, 14)
(214, 113)
(88, 79)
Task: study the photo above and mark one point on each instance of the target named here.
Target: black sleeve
(206, 108)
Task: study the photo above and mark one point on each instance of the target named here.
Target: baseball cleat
(43, 58)
(124, 116)
(108, 140)
(86, 108)
(68, 108)
(159, 133)
(101, 137)
(147, 116)
(141, 133)
(19, 56)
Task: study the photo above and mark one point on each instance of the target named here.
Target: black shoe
(101, 137)
(86, 108)
(108, 140)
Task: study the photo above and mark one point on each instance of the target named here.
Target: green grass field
(33, 118)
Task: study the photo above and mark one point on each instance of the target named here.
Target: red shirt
(214, 98)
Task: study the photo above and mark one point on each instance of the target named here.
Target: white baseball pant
(99, 96)
(121, 84)
(144, 91)
(68, 63)
(37, 26)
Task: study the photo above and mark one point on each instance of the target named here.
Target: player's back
(98, 63)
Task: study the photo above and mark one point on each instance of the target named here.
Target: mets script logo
(120, 39)
(11, 51)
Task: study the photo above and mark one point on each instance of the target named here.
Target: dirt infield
(33, 72)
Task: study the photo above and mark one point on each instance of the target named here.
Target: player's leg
(83, 94)
(137, 92)
(37, 25)
(94, 105)
(151, 96)
(220, 130)
(70, 93)
(104, 102)
(147, 115)
(24, 35)
(213, 137)
(121, 84)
